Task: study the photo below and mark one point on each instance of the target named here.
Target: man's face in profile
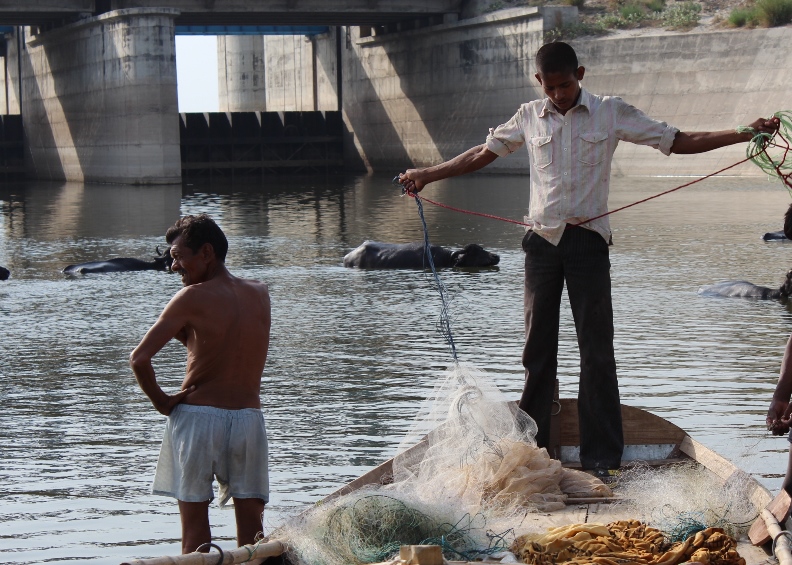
(192, 266)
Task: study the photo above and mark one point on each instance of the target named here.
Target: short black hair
(556, 57)
(197, 230)
(788, 222)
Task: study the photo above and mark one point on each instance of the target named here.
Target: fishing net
(475, 468)
(479, 449)
(770, 152)
(685, 498)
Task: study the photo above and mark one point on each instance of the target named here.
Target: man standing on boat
(215, 426)
(571, 136)
(779, 418)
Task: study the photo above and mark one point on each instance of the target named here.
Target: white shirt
(570, 156)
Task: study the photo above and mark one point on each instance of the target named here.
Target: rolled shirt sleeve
(507, 138)
(636, 127)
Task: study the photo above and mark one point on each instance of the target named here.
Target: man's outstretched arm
(471, 160)
(702, 141)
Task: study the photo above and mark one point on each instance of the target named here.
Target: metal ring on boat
(783, 533)
(217, 547)
(557, 403)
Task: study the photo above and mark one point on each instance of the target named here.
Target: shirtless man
(215, 426)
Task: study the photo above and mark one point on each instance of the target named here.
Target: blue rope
(444, 324)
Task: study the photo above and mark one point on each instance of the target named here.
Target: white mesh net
(468, 463)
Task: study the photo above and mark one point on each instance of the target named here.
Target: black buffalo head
(4, 274)
(786, 287)
(164, 259)
(473, 255)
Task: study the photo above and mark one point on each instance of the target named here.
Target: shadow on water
(353, 351)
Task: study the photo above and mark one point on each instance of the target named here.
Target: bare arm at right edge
(778, 414)
(471, 160)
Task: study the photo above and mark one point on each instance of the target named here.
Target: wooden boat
(648, 438)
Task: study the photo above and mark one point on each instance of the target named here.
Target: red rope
(446, 206)
(784, 177)
(666, 192)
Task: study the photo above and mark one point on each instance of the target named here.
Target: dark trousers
(580, 259)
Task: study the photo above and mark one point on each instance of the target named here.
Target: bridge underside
(53, 13)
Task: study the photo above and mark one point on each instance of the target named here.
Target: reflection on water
(353, 352)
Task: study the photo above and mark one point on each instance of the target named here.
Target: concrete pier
(290, 73)
(240, 76)
(99, 100)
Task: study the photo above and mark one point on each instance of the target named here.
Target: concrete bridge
(95, 80)
(417, 81)
(233, 12)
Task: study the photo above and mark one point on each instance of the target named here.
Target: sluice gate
(228, 144)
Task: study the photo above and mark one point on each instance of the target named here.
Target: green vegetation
(774, 12)
(740, 17)
(684, 15)
(632, 12)
(580, 29)
(678, 16)
(767, 13)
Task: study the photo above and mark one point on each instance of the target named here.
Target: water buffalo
(376, 255)
(775, 236)
(4, 274)
(162, 262)
(743, 289)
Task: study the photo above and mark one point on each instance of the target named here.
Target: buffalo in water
(744, 289)
(4, 274)
(775, 236)
(376, 255)
(786, 233)
(162, 262)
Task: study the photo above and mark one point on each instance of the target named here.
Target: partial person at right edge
(571, 137)
(779, 415)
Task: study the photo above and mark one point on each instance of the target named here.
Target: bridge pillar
(282, 73)
(240, 73)
(99, 100)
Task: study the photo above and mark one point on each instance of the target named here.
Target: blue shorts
(202, 443)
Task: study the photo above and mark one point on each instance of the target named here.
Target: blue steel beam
(251, 30)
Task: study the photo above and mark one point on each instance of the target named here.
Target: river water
(353, 352)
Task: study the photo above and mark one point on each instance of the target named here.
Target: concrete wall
(420, 97)
(99, 100)
(240, 76)
(704, 81)
(326, 75)
(11, 83)
(290, 64)
(280, 73)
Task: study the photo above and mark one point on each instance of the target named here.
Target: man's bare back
(227, 337)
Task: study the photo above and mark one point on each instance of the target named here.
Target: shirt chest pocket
(541, 151)
(593, 147)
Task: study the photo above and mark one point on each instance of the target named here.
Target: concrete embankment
(422, 96)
